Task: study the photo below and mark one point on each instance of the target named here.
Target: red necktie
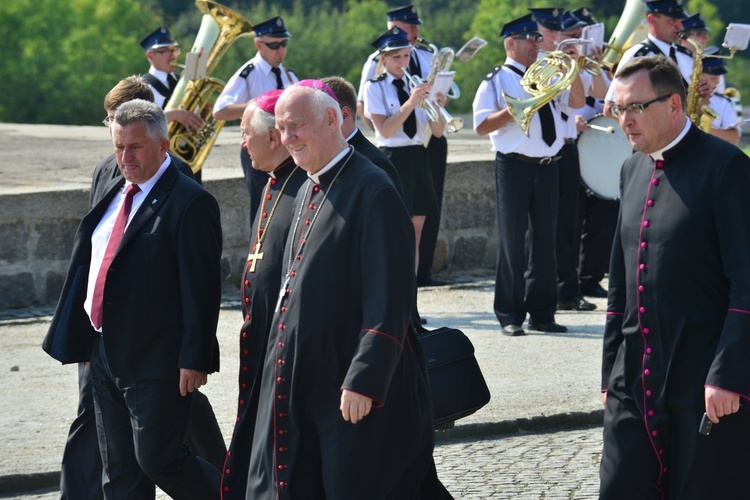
(114, 241)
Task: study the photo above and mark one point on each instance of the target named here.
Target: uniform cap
(273, 28)
(406, 14)
(161, 37)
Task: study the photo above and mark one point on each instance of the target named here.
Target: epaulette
(247, 69)
(378, 78)
(493, 72)
(425, 45)
(645, 50)
(723, 96)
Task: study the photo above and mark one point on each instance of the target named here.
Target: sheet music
(442, 84)
(737, 36)
(595, 33)
(470, 49)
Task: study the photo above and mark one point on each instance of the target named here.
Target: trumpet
(434, 111)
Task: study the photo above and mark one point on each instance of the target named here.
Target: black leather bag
(457, 385)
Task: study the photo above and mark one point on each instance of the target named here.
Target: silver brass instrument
(220, 27)
(441, 61)
(434, 110)
(544, 80)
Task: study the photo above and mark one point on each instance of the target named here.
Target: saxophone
(700, 114)
(220, 27)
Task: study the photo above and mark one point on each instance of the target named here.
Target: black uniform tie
(673, 53)
(172, 81)
(414, 67)
(548, 124)
(410, 125)
(279, 82)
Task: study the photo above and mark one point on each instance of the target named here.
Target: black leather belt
(545, 160)
(570, 140)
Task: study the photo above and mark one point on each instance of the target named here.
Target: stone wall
(37, 229)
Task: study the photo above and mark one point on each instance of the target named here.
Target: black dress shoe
(551, 327)
(577, 304)
(428, 280)
(513, 330)
(593, 290)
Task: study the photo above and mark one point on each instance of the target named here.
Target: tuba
(544, 80)
(220, 27)
(628, 32)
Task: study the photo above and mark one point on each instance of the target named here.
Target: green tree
(62, 57)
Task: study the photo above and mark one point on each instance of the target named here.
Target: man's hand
(720, 403)
(191, 121)
(191, 380)
(354, 407)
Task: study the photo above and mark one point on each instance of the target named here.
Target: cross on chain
(254, 257)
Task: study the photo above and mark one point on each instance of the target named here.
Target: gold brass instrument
(700, 114)
(220, 27)
(434, 110)
(627, 33)
(544, 80)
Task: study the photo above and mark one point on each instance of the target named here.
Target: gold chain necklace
(256, 254)
(292, 254)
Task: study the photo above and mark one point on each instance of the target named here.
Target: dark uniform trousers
(568, 240)
(159, 451)
(437, 150)
(526, 274)
(598, 220)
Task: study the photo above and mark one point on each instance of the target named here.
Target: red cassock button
(641, 288)
(647, 371)
(642, 267)
(268, 197)
(282, 484)
(648, 392)
(654, 433)
(642, 310)
(655, 182)
(643, 244)
(646, 331)
(645, 223)
(228, 471)
(651, 413)
(650, 203)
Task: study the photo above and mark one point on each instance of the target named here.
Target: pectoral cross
(254, 257)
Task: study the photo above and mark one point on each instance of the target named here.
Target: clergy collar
(283, 168)
(659, 155)
(317, 177)
(351, 136)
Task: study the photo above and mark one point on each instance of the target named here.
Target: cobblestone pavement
(553, 465)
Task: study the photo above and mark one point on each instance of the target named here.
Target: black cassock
(340, 323)
(260, 286)
(678, 319)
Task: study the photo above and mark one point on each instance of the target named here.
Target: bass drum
(601, 156)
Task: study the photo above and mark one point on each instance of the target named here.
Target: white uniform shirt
(684, 62)
(162, 77)
(510, 138)
(381, 98)
(261, 79)
(370, 67)
(723, 106)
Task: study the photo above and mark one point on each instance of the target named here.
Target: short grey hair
(148, 113)
(320, 101)
(262, 121)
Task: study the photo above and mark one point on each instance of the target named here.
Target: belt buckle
(545, 161)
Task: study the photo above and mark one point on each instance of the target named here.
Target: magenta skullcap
(267, 101)
(317, 84)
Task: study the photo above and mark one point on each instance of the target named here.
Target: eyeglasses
(275, 45)
(635, 107)
(533, 38)
(107, 121)
(163, 52)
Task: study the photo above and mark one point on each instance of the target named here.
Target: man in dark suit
(126, 307)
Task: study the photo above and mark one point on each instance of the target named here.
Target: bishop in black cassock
(338, 337)
(677, 337)
(261, 277)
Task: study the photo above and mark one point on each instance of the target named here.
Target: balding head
(310, 124)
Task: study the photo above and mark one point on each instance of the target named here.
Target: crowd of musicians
(333, 392)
